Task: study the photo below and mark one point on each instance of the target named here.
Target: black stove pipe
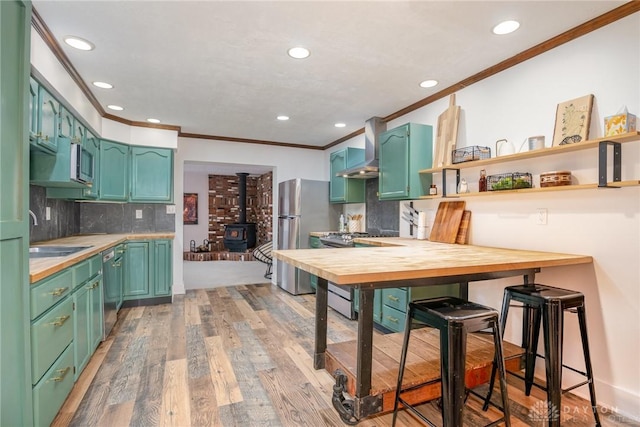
(242, 197)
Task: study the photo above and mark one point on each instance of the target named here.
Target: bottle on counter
(341, 224)
(482, 184)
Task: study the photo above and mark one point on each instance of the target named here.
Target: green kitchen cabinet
(151, 174)
(47, 122)
(138, 270)
(343, 190)
(54, 170)
(52, 390)
(87, 320)
(403, 152)
(162, 267)
(33, 111)
(66, 124)
(15, 373)
(113, 171)
(148, 269)
(314, 243)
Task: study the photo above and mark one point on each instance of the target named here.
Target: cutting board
(463, 231)
(447, 134)
(447, 222)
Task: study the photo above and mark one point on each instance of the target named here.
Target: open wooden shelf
(594, 143)
(631, 183)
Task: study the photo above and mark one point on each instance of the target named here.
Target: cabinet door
(137, 270)
(393, 180)
(377, 304)
(337, 189)
(79, 133)
(92, 145)
(33, 110)
(151, 174)
(162, 268)
(67, 122)
(95, 314)
(114, 171)
(49, 115)
(81, 328)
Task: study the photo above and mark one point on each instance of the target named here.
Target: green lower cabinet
(314, 243)
(148, 269)
(87, 322)
(52, 390)
(377, 304)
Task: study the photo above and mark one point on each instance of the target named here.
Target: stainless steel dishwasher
(112, 276)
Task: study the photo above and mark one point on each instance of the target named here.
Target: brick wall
(224, 206)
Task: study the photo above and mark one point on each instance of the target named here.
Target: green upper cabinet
(403, 152)
(48, 116)
(79, 133)
(67, 122)
(114, 171)
(343, 190)
(151, 174)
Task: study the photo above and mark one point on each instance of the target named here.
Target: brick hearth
(218, 256)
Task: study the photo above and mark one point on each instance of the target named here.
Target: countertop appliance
(340, 298)
(112, 278)
(303, 207)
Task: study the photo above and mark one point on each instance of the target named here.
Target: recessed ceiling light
(79, 43)
(428, 83)
(103, 85)
(153, 120)
(340, 125)
(506, 27)
(282, 118)
(115, 107)
(298, 52)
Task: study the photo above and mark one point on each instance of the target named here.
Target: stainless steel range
(340, 298)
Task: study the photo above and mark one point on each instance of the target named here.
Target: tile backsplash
(69, 218)
(383, 217)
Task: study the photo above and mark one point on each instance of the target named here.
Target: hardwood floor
(239, 356)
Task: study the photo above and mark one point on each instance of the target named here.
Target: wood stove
(240, 236)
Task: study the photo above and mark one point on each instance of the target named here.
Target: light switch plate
(171, 209)
(138, 213)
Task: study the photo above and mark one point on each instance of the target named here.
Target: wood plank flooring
(240, 356)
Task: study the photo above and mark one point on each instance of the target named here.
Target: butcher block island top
(367, 368)
(40, 268)
(397, 258)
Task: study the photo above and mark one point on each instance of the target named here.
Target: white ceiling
(221, 67)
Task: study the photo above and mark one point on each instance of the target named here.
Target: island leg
(321, 323)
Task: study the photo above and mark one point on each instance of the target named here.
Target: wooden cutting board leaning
(447, 222)
(447, 134)
(463, 232)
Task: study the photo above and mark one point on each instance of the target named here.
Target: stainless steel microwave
(82, 164)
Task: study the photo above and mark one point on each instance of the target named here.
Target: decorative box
(468, 154)
(619, 124)
(555, 178)
(509, 181)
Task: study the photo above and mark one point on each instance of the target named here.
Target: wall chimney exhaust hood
(369, 168)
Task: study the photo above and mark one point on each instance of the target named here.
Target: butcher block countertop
(416, 259)
(40, 268)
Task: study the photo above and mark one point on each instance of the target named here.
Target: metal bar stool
(454, 318)
(549, 303)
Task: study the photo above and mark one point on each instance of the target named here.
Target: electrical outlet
(171, 209)
(541, 216)
(47, 213)
(138, 213)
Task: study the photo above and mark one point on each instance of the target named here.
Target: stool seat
(454, 318)
(547, 303)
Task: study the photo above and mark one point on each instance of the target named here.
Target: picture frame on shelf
(190, 212)
(573, 119)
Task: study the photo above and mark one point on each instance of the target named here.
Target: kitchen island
(400, 262)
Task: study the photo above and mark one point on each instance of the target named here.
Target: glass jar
(433, 190)
(482, 184)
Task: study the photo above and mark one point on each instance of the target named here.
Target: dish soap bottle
(341, 224)
(482, 184)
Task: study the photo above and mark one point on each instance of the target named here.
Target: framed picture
(573, 119)
(190, 213)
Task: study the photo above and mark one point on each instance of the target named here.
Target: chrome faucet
(35, 220)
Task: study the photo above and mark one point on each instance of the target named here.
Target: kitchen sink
(54, 251)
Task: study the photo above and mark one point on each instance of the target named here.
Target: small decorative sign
(573, 119)
(190, 212)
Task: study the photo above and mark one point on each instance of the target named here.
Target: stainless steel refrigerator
(303, 207)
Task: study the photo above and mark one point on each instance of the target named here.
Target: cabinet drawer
(81, 273)
(396, 298)
(50, 393)
(393, 319)
(50, 334)
(49, 291)
(96, 265)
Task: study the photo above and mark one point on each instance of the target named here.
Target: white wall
(196, 182)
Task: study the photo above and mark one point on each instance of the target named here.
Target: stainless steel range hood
(368, 169)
